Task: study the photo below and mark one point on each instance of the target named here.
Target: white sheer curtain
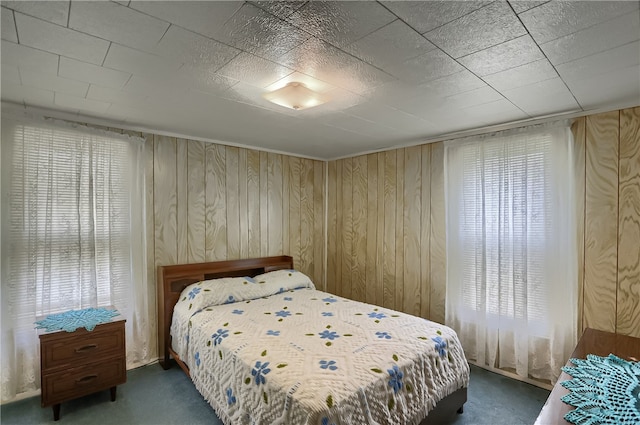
(72, 236)
(511, 250)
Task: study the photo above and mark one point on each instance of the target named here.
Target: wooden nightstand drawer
(64, 349)
(71, 383)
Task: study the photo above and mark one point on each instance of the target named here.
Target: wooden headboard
(173, 279)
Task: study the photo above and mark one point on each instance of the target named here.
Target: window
(72, 235)
(511, 245)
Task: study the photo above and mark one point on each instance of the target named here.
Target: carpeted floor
(154, 396)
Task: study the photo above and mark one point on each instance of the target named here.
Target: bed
(263, 346)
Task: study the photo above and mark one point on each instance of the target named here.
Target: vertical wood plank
(195, 201)
(340, 231)
(399, 230)
(438, 237)
(150, 236)
(347, 226)
(215, 203)
(332, 227)
(628, 315)
(359, 220)
(274, 204)
(264, 204)
(412, 229)
(254, 206)
(380, 230)
(243, 205)
(182, 201)
(371, 260)
(164, 194)
(389, 245)
(306, 218)
(286, 188)
(601, 221)
(425, 232)
(233, 205)
(294, 211)
(578, 130)
(318, 234)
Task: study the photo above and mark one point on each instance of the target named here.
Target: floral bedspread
(269, 353)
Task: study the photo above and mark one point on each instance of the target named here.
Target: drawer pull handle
(86, 379)
(86, 348)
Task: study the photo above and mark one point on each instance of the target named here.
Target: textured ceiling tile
(558, 18)
(256, 31)
(453, 84)
(27, 58)
(522, 75)
(341, 23)
(618, 87)
(89, 73)
(10, 75)
(601, 63)
(114, 96)
(613, 33)
(52, 82)
(488, 113)
(510, 54)
(281, 9)
(253, 70)
(357, 125)
(425, 16)
(473, 97)
(542, 98)
(523, 5)
(429, 66)
(29, 95)
(81, 104)
(390, 45)
(63, 41)
(203, 79)
(118, 23)
(156, 88)
(194, 49)
(140, 63)
(387, 116)
(203, 17)
(8, 26)
(327, 63)
(486, 27)
(56, 12)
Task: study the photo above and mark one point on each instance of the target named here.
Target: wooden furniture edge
(172, 279)
(592, 341)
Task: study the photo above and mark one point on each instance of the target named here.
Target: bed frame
(173, 279)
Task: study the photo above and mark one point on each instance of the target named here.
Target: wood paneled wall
(610, 280)
(209, 202)
(386, 243)
(386, 225)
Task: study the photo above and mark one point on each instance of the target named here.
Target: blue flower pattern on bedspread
(441, 345)
(236, 311)
(197, 358)
(273, 333)
(327, 314)
(231, 399)
(219, 336)
(330, 300)
(328, 364)
(395, 378)
(383, 335)
(375, 315)
(330, 335)
(195, 291)
(259, 371)
(283, 313)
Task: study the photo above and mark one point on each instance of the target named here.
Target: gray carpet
(154, 396)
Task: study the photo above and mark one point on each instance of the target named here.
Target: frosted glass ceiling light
(295, 96)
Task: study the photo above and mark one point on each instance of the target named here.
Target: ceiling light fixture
(296, 96)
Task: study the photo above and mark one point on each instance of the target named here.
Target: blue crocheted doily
(604, 390)
(73, 319)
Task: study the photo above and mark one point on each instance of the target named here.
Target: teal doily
(71, 320)
(604, 390)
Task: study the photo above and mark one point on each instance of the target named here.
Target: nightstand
(74, 364)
